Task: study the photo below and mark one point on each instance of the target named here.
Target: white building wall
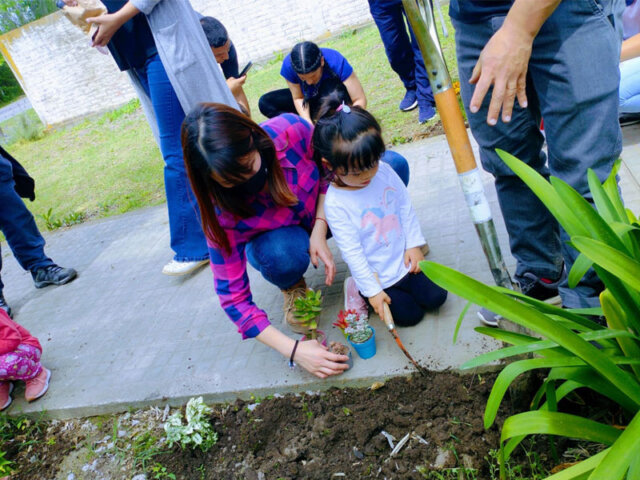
(65, 79)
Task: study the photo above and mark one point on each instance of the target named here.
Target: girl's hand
(411, 258)
(235, 84)
(315, 358)
(319, 249)
(377, 303)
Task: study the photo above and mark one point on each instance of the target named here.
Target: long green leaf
(580, 267)
(626, 448)
(622, 266)
(528, 317)
(617, 319)
(593, 222)
(546, 193)
(603, 204)
(589, 379)
(628, 298)
(459, 322)
(556, 423)
(515, 369)
(613, 192)
(576, 471)
(542, 347)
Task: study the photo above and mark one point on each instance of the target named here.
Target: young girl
(371, 218)
(20, 360)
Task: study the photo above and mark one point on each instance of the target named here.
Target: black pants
(411, 297)
(277, 102)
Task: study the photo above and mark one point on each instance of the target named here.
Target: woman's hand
(316, 359)
(319, 249)
(411, 258)
(110, 23)
(377, 302)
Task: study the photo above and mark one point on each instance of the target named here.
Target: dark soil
(335, 434)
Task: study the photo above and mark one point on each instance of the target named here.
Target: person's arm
(630, 48)
(356, 92)
(310, 355)
(298, 101)
(318, 246)
(504, 61)
(235, 85)
(110, 23)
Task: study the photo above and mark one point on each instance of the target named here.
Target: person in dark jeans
(404, 56)
(535, 51)
(225, 53)
(20, 229)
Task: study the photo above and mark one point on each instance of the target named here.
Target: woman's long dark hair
(214, 138)
(348, 141)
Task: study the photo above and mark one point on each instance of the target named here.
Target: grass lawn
(111, 164)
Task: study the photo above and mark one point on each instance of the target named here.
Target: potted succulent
(359, 333)
(341, 349)
(306, 310)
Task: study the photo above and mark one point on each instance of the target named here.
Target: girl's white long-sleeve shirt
(373, 227)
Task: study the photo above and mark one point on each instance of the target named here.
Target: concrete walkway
(123, 335)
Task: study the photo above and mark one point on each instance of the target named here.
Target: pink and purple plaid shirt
(292, 138)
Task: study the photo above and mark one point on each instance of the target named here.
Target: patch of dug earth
(336, 434)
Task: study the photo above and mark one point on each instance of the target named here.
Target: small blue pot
(366, 349)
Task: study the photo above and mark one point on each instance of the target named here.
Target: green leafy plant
(5, 464)
(197, 433)
(307, 309)
(577, 351)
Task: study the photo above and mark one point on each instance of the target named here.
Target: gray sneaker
(533, 286)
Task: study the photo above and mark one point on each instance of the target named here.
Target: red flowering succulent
(342, 322)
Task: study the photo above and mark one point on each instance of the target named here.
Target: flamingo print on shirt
(384, 223)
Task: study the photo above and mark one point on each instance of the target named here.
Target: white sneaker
(176, 268)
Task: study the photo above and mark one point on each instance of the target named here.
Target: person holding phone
(225, 53)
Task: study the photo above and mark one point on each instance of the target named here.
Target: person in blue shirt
(311, 74)
(226, 56)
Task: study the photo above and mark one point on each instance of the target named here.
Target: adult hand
(377, 302)
(71, 3)
(235, 84)
(315, 358)
(411, 258)
(503, 64)
(108, 25)
(319, 249)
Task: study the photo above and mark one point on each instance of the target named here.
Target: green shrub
(197, 433)
(576, 351)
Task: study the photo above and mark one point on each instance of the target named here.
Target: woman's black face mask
(254, 184)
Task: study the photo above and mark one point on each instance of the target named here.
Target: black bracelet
(293, 352)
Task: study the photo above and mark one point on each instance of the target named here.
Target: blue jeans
(630, 86)
(579, 104)
(282, 255)
(18, 226)
(187, 239)
(401, 48)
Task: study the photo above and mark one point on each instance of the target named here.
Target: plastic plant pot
(366, 349)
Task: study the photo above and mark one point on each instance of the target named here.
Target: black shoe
(53, 275)
(628, 119)
(4, 306)
(541, 288)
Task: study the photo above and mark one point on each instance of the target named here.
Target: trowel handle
(388, 318)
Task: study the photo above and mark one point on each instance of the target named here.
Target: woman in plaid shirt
(260, 194)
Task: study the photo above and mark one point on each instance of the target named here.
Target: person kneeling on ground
(20, 360)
